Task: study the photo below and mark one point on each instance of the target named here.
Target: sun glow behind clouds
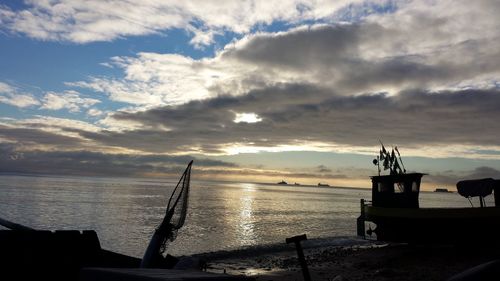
(247, 118)
(237, 148)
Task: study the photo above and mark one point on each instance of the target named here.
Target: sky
(259, 91)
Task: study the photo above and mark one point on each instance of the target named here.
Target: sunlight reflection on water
(221, 216)
(246, 225)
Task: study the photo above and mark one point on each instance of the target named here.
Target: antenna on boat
(173, 220)
(400, 160)
(390, 159)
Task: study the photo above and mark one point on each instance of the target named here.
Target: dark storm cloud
(355, 58)
(349, 84)
(303, 48)
(412, 117)
(33, 136)
(13, 160)
(452, 177)
(484, 172)
(323, 169)
(346, 84)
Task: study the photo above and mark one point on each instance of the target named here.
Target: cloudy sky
(252, 90)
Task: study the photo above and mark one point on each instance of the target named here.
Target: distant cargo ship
(282, 182)
(441, 190)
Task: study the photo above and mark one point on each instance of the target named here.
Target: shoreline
(372, 261)
(283, 248)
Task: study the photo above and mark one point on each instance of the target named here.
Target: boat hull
(55, 255)
(470, 225)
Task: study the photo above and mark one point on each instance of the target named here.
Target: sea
(222, 216)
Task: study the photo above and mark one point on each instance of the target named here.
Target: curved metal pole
(165, 229)
(15, 226)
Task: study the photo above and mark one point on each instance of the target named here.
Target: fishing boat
(395, 212)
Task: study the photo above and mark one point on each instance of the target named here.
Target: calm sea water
(221, 216)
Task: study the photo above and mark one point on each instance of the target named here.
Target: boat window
(398, 187)
(414, 187)
(383, 187)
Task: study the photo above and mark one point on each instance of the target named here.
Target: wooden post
(361, 220)
(300, 254)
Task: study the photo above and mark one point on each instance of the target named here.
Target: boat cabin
(396, 191)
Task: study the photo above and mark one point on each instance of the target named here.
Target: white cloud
(323, 84)
(54, 124)
(239, 148)
(162, 79)
(380, 55)
(94, 112)
(50, 132)
(11, 96)
(319, 80)
(115, 125)
(96, 20)
(431, 27)
(6, 88)
(247, 118)
(69, 100)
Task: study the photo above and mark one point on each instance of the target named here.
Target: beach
(373, 261)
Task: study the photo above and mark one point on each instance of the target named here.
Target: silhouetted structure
(58, 255)
(300, 254)
(400, 190)
(395, 211)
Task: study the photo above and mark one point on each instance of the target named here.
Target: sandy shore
(365, 262)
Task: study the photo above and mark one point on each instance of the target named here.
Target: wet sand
(367, 262)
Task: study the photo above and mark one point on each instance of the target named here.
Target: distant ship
(323, 184)
(441, 190)
(282, 182)
(296, 183)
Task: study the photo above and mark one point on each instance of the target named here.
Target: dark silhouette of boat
(444, 190)
(323, 184)
(395, 211)
(282, 182)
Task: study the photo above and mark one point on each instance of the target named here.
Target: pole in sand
(296, 240)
